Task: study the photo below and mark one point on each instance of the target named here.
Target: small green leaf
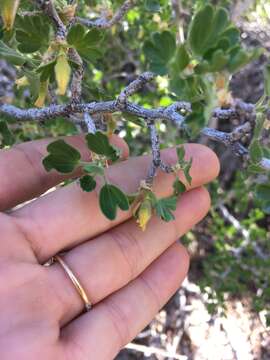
(219, 24)
(200, 29)
(152, 5)
(110, 198)
(165, 206)
(94, 170)
(88, 183)
(189, 88)
(178, 187)
(32, 33)
(181, 59)
(255, 151)
(256, 169)
(165, 43)
(11, 55)
(260, 119)
(232, 34)
(62, 157)
(87, 43)
(186, 171)
(93, 37)
(211, 29)
(8, 138)
(180, 154)
(46, 71)
(185, 164)
(266, 207)
(99, 144)
(267, 79)
(218, 61)
(239, 59)
(202, 67)
(262, 192)
(159, 51)
(76, 34)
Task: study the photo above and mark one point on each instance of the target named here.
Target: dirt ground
(184, 327)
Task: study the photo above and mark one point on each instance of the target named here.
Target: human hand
(127, 274)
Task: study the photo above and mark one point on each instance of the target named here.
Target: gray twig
(77, 76)
(155, 145)
(91, 126)
(104, 23)
(232, 140)
(48, 7)
(245, 233)
(175, 113)
(53, 111)
(133, 87)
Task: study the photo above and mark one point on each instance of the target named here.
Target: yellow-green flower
(144, 213)
(8, 11)
(62, 73)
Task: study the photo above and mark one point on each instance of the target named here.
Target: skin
(128, 274)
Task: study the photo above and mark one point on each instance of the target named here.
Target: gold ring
(74, 280)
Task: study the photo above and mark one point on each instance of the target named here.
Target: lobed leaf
(111, 198)
(32, 33)
(181, 59)
(165, 206)
(262, 192)
(99, 144)
(62, 157)
(8, 138)
(88, 183)
(178, 187)
(267, 79)
(159, 51)
(152, 5)
(11, 55)
(87, 43)
(200, 29)
(255, 151)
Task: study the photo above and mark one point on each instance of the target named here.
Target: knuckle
(130, 249)
(119, 322)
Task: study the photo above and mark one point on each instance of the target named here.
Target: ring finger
(111, 260)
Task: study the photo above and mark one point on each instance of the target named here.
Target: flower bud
(22, 81)
(62, 73)
(43, 88)
(144, 213)
(8, 11)
(67, 13)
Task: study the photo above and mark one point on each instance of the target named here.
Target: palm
(128, 274)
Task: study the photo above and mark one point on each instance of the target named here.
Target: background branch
(48, 7)
(104, 23)
(175, 112)
(77, 76)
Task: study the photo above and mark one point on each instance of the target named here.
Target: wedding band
(74, 280)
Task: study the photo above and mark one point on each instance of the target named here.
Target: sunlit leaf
(62, 157)
(111, 198)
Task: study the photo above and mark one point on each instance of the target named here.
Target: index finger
(22, 175)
